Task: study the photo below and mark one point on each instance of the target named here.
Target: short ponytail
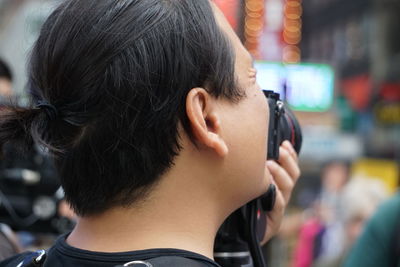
(38, 125)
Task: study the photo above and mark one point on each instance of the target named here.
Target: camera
(283, 125)
(237, 241)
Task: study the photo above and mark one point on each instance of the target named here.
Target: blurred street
(336, 63)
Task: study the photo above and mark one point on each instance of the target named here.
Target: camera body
(283, 125)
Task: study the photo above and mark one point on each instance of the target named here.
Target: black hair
(118, 73)
(5, 71)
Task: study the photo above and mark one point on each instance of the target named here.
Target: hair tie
(50, 110)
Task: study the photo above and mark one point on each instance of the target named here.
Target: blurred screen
(305, 86)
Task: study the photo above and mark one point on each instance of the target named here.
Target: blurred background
(337, 65)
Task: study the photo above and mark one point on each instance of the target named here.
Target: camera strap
(253, 209)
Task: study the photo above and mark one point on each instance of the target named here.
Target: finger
(286, 144)
(289, 163)
(282, 179)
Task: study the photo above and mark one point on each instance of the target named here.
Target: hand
(284, 176)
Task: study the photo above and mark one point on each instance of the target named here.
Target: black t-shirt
(62, 254)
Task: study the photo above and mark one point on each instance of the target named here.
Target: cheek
(255, 128)
(249, 146)
(261, 122)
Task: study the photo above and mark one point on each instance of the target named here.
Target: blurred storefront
(337, 64)
(358, 40)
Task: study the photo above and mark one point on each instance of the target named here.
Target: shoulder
(15, 260)
(162, 261)
(62, 254)
(386, 216)
(373, 248)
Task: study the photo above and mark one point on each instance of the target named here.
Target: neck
(178, 214)
(162, 227)
(183, 211)
(129, 231)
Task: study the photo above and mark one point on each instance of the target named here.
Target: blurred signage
(253, 25)
(230, 8)
(388, 113)
(305, 86)
(292, 28)
(358, 90)
(271, 41)
(390, 91)
(386, 171)
(323, 144)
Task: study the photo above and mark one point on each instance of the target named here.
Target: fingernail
(293, 150)
(286, 141)
(290, 146)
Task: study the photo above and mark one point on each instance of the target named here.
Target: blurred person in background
(335, 177)
(320, 235)
(158, 127)
(359, 199)
(379, 243)
(9, 244)
(5, 82)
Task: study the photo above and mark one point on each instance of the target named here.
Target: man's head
(335, 175)
(135, 83)
(5, 80)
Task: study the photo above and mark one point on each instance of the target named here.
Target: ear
(205, 121)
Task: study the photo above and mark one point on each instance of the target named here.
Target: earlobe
(205, 121)
(218, 144)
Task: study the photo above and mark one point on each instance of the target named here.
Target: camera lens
(290, 129)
